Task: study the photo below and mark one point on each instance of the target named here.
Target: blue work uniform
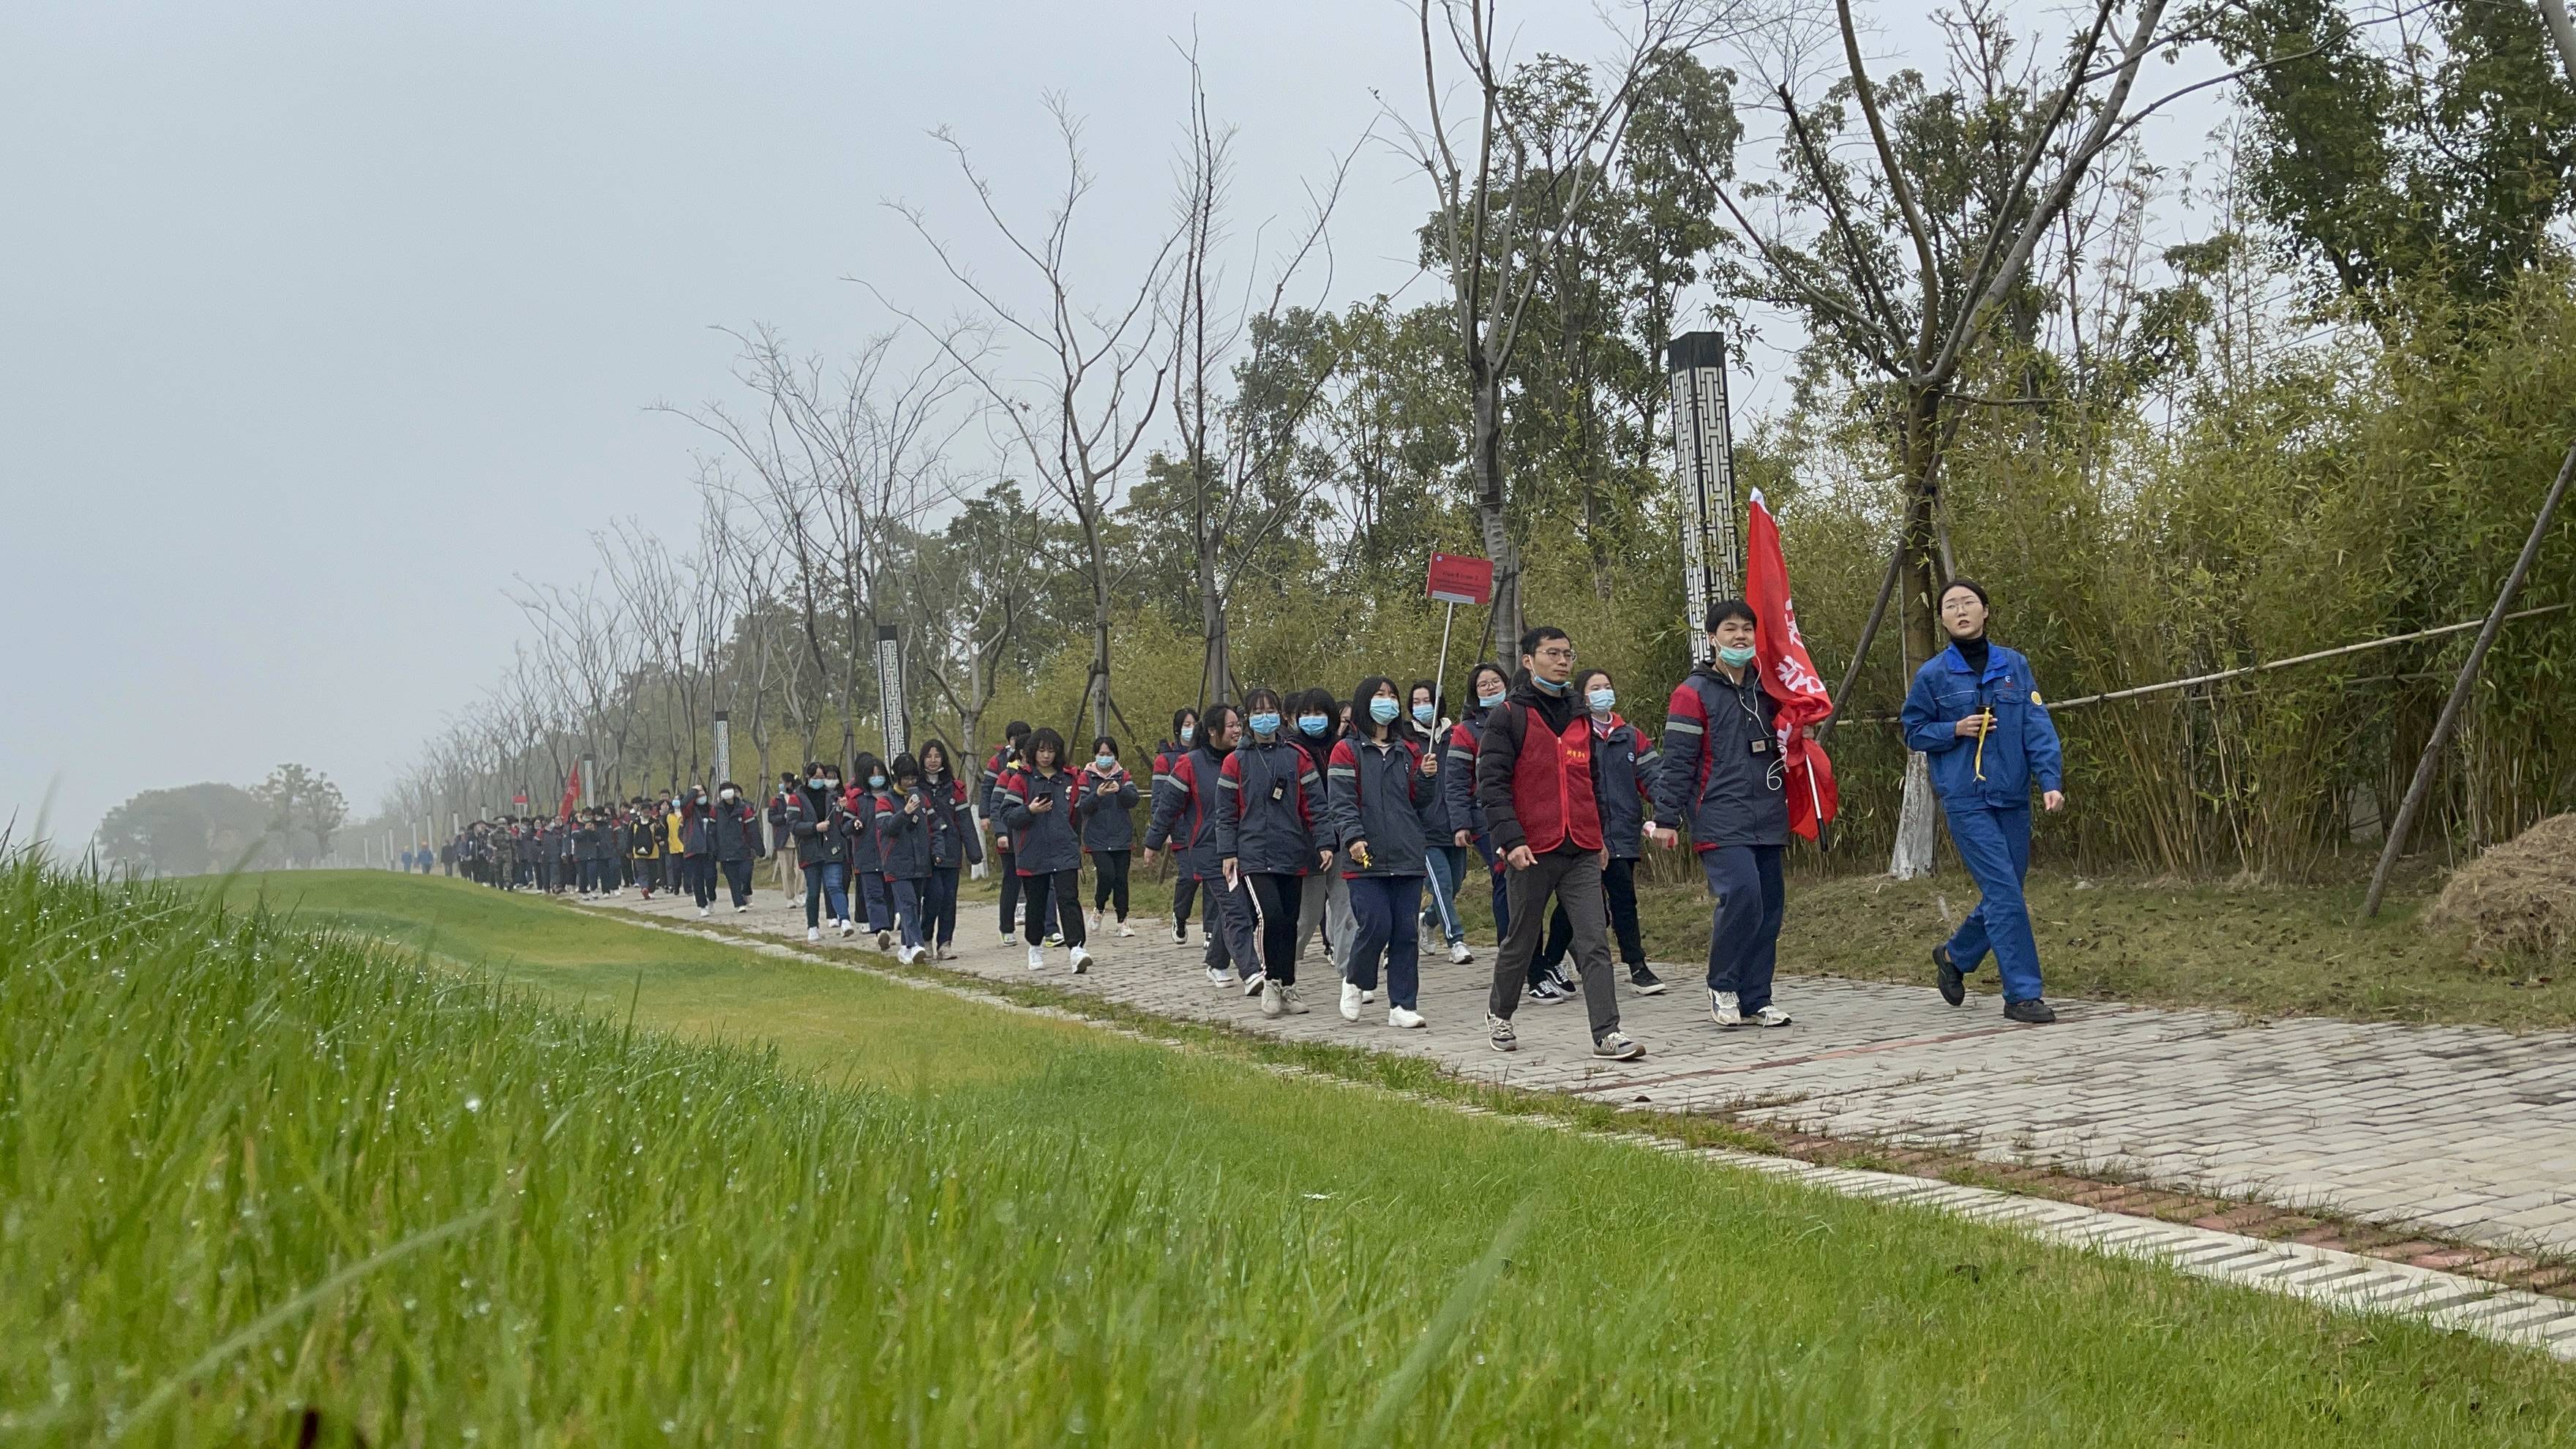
(1985, 796)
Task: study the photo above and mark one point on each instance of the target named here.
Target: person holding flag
(1741, 766)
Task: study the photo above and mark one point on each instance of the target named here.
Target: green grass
(252, 1169)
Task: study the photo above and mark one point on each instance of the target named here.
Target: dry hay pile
(2519, 897)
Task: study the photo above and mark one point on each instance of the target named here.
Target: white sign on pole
(724, 747)
(1704, 465)
(890, 700)
(590, 778)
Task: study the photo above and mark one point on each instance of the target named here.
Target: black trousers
(1109, 869)
(1061, 889)
(1184, 891)
(1006, 864)
(737, 875)
(1275, 899)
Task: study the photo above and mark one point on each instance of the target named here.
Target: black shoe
(1954, 986)
(1546, 989)
(2031, 1011)
(1645, 981)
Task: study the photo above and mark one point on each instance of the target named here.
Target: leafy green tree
(304, 810)
(187, 831)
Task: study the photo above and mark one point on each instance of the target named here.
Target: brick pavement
(2468, 1132)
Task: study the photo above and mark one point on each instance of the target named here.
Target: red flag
(1788, 675)
(572, 794)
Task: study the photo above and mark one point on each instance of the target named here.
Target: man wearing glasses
(1540, 786)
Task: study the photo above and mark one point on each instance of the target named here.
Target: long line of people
(1303, 814)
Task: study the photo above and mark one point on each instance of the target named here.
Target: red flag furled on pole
(1788, 676)
(572, 794)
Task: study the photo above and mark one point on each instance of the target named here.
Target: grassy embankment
(254, 1171)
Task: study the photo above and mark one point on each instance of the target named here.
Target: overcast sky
(319, 323)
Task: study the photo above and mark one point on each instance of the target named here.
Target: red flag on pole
(572, 794)
(1788, 675)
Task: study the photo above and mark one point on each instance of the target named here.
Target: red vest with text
(1552, 785)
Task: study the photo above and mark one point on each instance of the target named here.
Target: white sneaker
(702, 913)
(1007, 939)
(813, 933)
(1404, 1017)
(1099, 919)
(1352, 1000)
(1080, 960)
(1220, 977)
(1254, 985)
(1125, 929)
(1459, 955)
(1296, 1004)
(1721, 1009)
(1770, 1016)
(1037, 958)
(849, 928)
(1368, 995)
(908, 955)
(738, 910)
(1274, 998)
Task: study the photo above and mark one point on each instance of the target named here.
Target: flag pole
(1440, 676)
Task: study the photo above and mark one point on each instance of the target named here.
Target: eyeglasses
(1557, 652)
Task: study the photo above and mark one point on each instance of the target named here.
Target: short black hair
(1015, 730)
(1044, 737)
(904, 764)
(1725, 609)
(1478, 672)
(1183, 716)
(1254, 697)
(1971, 585)
(1363, 722)
(1531, 641)
(1105, 740)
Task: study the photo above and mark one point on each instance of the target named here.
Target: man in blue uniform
(1975, 713)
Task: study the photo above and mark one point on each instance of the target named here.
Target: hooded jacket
(1042, 842)
(1625, 765)
(1185, 813)
(954, 840)
(1458, 774)
(903, 834)
(1721, 773)
(1108, 821)
(816, 821)
(1374, 793)
(736, 829)
(1270, 806)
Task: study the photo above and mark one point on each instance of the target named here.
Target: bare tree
(1079, 422)
(1231, 448)
(1504, 201)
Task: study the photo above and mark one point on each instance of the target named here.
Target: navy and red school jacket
(1458, 773)
(1270, 804)
(1108, 810)
(902, 836)
(1042, 842)
(954, 840)
(1185, 814)
(1537, 774)
(1721, 775)
(1626, 765)
(1374, 793)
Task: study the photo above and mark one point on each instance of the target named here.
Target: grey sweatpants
(1326, 900)
(1574, 878)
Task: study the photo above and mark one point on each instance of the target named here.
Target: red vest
(1552, 785)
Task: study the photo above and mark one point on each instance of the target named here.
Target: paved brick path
(2469, 1132)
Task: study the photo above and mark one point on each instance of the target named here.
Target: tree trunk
(1486, 449)
(1919, 589)
(1216, 666)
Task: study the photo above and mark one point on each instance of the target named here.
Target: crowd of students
(1307, 813)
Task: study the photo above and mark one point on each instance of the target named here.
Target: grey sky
(323, 321)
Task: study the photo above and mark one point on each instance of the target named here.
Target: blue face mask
(818, 782)
(1187, 731)
(1265, 723)
(1552, 686)
(1734, 658)
(1489, 701)
(1601, 700)
(1312, 724)
(1422, 714)
(1384, 710)
(1106, 763)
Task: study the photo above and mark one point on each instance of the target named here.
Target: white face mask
(725, 795)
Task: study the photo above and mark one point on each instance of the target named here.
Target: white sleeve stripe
(1682, 725)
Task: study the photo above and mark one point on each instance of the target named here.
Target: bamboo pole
(1868, 633)
(2460, 691)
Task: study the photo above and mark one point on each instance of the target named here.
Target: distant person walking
(1108, 812)
(1185, 819)
(816, 822)
(1185, 887)
(734, 833)
(989, 799)
(1376, 780)
(1038, 807)
(954, 844)
(1270, 806)
(1975, 713)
